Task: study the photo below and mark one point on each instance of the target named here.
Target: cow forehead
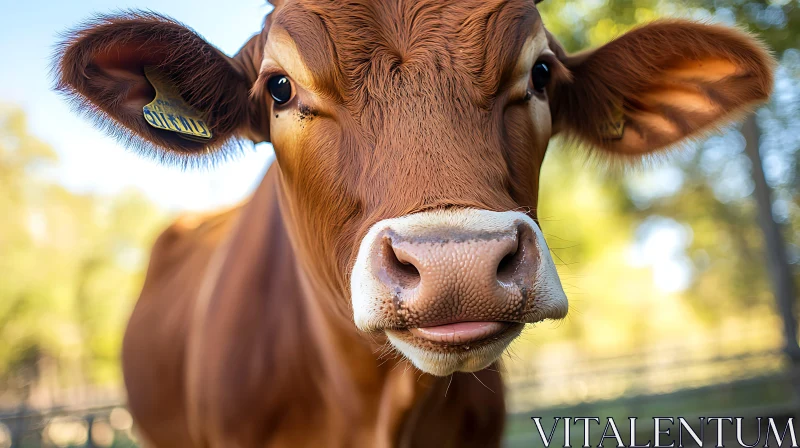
(368, 50)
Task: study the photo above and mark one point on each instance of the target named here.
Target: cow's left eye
(540, 76)
(280, 88)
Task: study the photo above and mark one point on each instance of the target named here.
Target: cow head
(410, 136)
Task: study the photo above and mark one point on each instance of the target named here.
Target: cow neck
(259, 361)
(387, 385)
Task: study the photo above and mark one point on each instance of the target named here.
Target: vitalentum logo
(668, 432)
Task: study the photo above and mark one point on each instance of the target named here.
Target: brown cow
(398, 225)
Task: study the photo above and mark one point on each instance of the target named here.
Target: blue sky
(91, 161)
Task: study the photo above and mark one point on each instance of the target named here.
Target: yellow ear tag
(168, 111)
(616, 127)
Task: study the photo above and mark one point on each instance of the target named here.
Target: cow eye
(540, 76)
(280, 88)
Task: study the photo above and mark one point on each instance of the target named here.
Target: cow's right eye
(280, 88)
(540, 76)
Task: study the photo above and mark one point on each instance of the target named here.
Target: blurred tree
(708, 187)
(777, 22)
(783, 284)
(72, 265)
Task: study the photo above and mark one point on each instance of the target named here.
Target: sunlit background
(675, 293)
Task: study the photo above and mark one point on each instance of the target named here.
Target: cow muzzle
(452, 288)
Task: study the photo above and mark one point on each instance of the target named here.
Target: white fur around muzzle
(368, 292)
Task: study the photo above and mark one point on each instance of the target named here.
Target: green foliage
(776, 21)
(589, 23)
(71, 266)
(594, 216)
(586, 24)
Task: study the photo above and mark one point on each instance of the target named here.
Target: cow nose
(440, 261)
(450, 275)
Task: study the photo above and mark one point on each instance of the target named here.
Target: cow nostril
(408, 268)
(397, 267)
(510, 263)
(506, 266)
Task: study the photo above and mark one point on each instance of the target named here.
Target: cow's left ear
(660, 84)
(160, 87)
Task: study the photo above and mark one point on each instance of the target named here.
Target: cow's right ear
(129, 72)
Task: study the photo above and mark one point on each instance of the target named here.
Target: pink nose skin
(453, 286)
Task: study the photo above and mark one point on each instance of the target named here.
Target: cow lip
(459, 333)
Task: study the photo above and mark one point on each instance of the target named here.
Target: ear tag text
(168, 111)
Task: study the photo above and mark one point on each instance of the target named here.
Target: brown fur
(621, 72)
(243, 335)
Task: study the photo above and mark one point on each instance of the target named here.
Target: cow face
(410, 135)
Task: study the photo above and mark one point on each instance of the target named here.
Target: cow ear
(160, 87)
(660, 84)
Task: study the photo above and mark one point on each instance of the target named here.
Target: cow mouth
(460, 332)
(459, 336)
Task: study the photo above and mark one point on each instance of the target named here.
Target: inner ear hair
(100, 65)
